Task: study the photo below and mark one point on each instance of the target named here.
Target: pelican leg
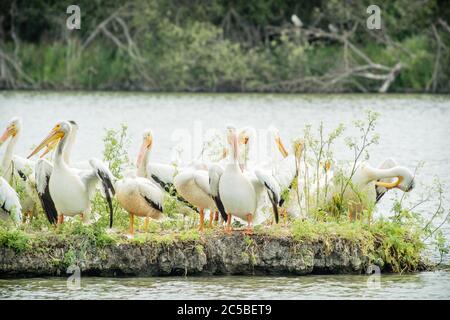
(228, 227)
(25, 216)
(249, 229)
(211, 218)
(284, 213)
(216, 217)
(60, 219)
(202, 220)
(82, 216)
(146, 224)
(131, 231)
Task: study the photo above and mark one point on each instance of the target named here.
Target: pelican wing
(151, 193)
(215, 173)
(23, 167)
(285, 172)
(100, 172)
(9, 200)
(201, 179)
(162, 174)
(43, 171)
(273, 189)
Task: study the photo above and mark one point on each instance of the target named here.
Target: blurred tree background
(226, 46)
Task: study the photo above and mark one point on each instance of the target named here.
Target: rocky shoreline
(217, 254)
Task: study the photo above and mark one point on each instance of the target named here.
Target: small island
(301, 249)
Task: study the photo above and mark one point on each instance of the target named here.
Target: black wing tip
(153, 204)
(220, 207)
(48, 206)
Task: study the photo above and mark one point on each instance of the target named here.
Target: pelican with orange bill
(72, 189)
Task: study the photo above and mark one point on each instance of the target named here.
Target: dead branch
(16, 66)
(444, 25)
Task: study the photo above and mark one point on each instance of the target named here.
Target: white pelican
(273, 178)
(193, 185)
(16, 167)
(44, 168)
(141, 197)
(233, 188)
(160, 174)
(367, 178)
(9, 202)
(285, 171)
(72, 190)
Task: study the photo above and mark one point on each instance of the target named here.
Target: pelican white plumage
(72, 190)
(193, 185)
(160, 173)
(9, 202)
(366, 179)
(366, 175)
(16, 167)
(43, 170)
(380, 190)
(82, 165)
(233, 188)
(141, 197)
(273, 177)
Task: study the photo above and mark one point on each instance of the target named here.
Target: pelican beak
(55, 135)
(9, 132)
(146, 145)
(235, 144)
(52, 145)
(281, 147)
(243, 138)
(389, 185)
(224, 153)
(327, 165)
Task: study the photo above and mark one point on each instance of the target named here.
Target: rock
(219, 254)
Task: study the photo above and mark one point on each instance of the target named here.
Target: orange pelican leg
(202, 220)
(131, 224)
(228, 227)
(249, 229)
(211, 218)
(146, 224)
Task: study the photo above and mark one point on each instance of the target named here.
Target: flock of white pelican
(231, 186)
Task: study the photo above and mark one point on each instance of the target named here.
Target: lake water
(425, 285)
(412, 128)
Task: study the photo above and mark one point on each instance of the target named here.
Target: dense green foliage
(219, 45)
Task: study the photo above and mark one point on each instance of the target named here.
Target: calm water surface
(425, 285)
(412, 128)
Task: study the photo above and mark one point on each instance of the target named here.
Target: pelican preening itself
(72, 190)
(140, 197)
(237, 186)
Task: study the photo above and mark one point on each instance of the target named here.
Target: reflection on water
(413, 128)
(425, 285)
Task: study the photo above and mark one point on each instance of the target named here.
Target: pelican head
(147, 142)
(246, 135)
(12, 129)
(404, 180)
(276, 135)
(52, 145)
(232, 139)
(59, 131)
